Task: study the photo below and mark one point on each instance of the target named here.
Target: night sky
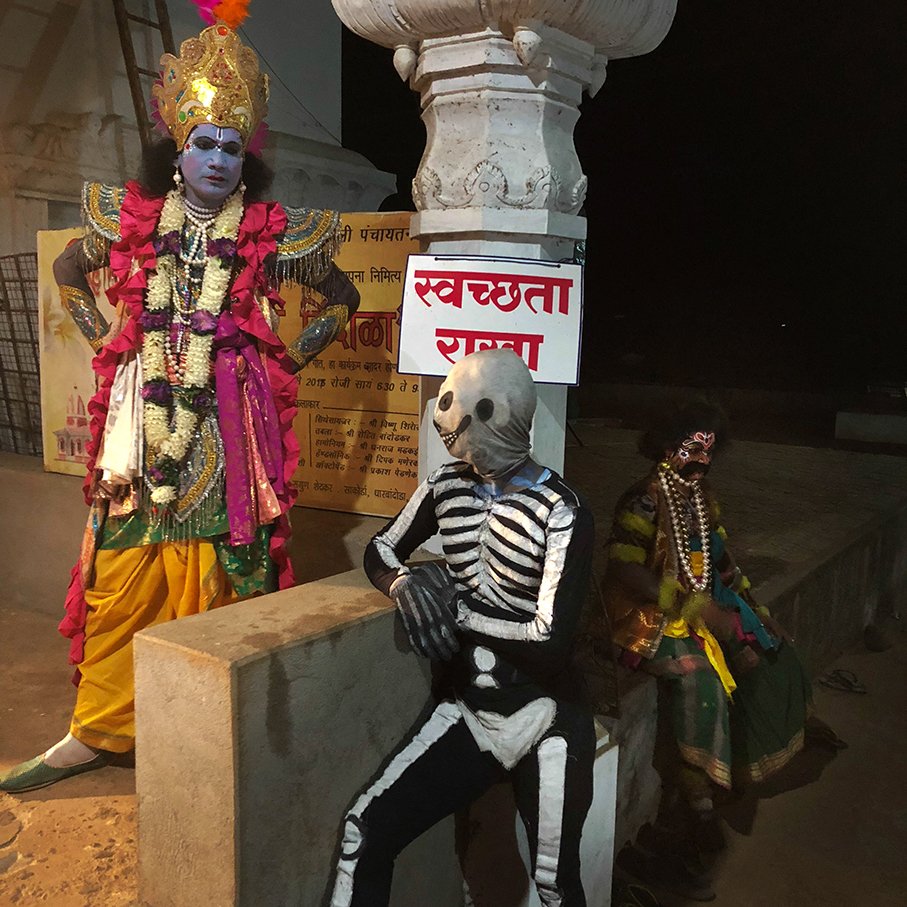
(747, 197)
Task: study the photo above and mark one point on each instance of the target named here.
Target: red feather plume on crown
(231, 12)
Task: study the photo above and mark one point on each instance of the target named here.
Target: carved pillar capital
(617, 28)
(500, 113)
(501, 82)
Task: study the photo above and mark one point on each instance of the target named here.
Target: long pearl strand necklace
(668, 480)
(186, 290)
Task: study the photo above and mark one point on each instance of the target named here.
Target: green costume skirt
(747, 738)
(768, 713)
(248, 567)
(697, 708)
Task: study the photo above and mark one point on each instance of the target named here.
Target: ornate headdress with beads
(215, 79)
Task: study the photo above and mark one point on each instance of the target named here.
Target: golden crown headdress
(216, 80)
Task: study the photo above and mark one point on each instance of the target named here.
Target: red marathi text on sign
(526, 346)
(504, 291)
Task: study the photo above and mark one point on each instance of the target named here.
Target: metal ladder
(134, 72)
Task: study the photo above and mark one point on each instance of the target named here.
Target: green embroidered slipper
(37, 773)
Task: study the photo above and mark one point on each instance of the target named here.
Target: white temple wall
(66, 114)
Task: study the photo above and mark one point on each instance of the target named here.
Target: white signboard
(454, 305)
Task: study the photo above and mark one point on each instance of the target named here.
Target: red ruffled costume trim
(261, 224)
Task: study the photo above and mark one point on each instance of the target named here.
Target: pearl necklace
(193, 257)
(668, 479)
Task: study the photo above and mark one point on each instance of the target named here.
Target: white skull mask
(484, 411)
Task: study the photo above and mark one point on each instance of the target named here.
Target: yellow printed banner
(358, 419)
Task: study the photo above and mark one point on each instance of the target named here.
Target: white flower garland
(164, 442)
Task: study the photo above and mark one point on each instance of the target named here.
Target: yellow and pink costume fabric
(141, 565)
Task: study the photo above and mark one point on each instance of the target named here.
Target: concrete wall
(284, 702)
(638, 784)
(826, 604)
(257, 727)
(44, 43)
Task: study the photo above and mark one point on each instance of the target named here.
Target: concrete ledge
(638, 784)
(255, 723)
(826, 603)
(877, 428)
(288, 716)
(260, 722)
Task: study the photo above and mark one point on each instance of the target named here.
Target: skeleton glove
(427, 601)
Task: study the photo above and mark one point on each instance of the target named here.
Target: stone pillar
(501, 82)
(500, 174)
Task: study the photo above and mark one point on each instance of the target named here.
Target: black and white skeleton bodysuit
(517, 543)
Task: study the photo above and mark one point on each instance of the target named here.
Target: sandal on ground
(640, 896)
(844, 680)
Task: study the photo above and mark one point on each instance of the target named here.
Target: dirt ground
(72, 844)
(69, 852)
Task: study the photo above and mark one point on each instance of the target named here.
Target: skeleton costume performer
(503, 610)
(192, 446)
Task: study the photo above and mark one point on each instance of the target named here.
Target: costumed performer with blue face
(192, 446)
(503, 610)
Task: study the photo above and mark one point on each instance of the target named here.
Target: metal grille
(20, 406)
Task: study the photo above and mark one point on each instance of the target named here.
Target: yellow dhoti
(136, 588)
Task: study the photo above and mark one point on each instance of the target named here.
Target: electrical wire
(289, 90)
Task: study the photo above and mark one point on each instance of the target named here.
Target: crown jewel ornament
(215, 79)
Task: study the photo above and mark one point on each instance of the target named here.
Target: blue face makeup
(211, 163)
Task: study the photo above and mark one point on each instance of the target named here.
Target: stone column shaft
(500, 175)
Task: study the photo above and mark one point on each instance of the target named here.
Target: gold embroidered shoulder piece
(101, 217)
(305, 251)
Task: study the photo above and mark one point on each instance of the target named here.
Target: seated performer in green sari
(681, 609)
